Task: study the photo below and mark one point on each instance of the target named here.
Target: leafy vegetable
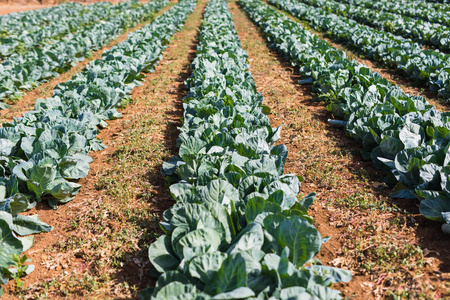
(237, 230)
(402, 134)
(23, 33)
(49, 146)
(28, 69)
(421, 31)
(425, 10)
(428, 67)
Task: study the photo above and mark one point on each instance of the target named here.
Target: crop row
(27, 70)
(15, 23)
(402, 134)
(425, 66)
(421, 31)
(37, 36)
(237, 230)
(47, 147)
(438, 1)
(433, 12)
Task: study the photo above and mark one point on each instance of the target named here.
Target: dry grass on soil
(391, 251)
(10, 8)
(17, 6)
(99, 246)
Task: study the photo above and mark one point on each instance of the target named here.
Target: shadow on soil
(162, 200)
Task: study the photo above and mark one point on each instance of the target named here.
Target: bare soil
(18, 6)
(10, 8)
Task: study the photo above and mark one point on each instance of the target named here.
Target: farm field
(7, 9)
(242, 149)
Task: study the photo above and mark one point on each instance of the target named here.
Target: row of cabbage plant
(403, 135)
(433, 12)
(25, 71)
(16, 22)
(42, 151)
(421, 31)
(237, 230)
(37, 36)
(428, 67)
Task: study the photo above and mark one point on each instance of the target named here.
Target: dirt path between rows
(387, 249)
(26, 102)
(18, 7)
(10, 8)
(99, 246)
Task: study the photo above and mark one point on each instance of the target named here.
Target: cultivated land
(7, 9)
(99, 245)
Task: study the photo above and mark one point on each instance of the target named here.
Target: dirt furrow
(10, 8)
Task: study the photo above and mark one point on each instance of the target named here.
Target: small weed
(364, 200)
(18, 270)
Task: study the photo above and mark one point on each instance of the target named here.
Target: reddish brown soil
(18, 6)
(7, 9)
(331, 165)
(165, 107)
